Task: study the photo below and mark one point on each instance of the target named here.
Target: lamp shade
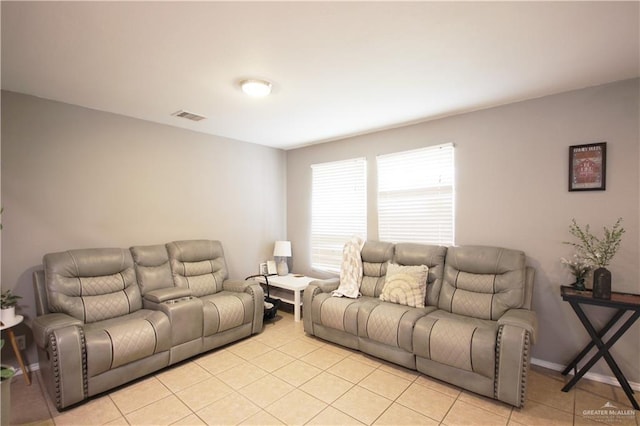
(282, 248)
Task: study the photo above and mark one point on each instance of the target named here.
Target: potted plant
(8, 302)
(598, 252)
(6, 373)
(579, 268)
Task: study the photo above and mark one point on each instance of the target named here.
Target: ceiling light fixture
(256, 88)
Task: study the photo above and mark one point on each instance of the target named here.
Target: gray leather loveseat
(474, 331)
(108, 316)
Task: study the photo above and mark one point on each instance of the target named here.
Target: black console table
(622, 302)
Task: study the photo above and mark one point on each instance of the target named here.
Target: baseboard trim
(610, 380)
(32, 368)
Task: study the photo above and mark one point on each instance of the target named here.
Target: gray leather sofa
(108, 316)
(475, 330)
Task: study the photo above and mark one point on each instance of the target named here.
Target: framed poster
(271, 267)
(588, 167)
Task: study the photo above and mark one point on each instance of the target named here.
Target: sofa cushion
(198, 265)
(338, 313)
(152, 267)
(375, 256)
(226, 310)
(92, 284)
(405, 285)
(389, 323)
(457, 341)
(482, 282)
(119, 341)
(422, 254)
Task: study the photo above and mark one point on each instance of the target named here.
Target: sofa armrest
(68, 353)
(513, 353)
(63, 364)
(522, 318)
(169, 293)
(44, 325)
(255, 290)
(517, 330)
(238, 285)
(185, 313)
(314, 289)
(328, 285)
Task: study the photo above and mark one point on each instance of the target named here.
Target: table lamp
(282, 250)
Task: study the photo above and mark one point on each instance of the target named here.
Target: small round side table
(14, 343)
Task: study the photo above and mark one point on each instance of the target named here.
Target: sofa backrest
(152, 267)
(432, 256)
(198, 265)
(375, 255)
(528, 288)
(92, 284)
(482, 282)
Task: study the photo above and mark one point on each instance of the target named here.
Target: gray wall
(77, 178)
(74, 177)
(511, 191)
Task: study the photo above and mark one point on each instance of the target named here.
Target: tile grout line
(396, 398)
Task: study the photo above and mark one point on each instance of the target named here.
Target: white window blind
(415, 196)
(338, 209)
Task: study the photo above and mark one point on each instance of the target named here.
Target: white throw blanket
(351, 270)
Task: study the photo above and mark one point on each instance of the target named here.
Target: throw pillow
(405, 285)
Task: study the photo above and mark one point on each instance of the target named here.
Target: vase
(8, 315)
(602, 283)
(579, 284)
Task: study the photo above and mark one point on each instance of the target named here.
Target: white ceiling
(338, 69)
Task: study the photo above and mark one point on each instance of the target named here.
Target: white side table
(292, 282)
(14, 343)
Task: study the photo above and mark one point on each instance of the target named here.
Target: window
(338, 209)
(415, 196)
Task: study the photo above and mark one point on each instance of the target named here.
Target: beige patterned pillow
(405, 285)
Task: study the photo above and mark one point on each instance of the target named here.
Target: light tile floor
(283, 376)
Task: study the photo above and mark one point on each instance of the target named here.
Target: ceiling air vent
(188, 115)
